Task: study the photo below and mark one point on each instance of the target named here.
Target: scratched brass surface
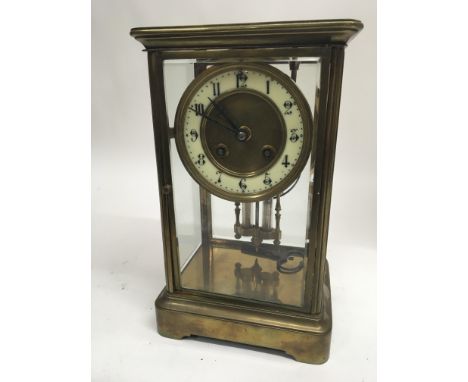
(288, 289)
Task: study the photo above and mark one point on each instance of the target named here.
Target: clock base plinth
(305, 337)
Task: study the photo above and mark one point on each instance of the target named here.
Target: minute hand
(224, 114)
(215, 120)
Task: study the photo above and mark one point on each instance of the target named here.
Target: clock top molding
(281, 33)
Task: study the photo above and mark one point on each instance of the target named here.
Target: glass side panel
(186, 190)
(248, 250)
(187, 209)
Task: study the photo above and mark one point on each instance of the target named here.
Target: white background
(127, 261)
(45, 199)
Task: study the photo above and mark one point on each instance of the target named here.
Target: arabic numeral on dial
(294, 136)
(267, 180)
(242, 184)
(201, 160)
(193, 135)
(219, 173)
(216, 91)
(288, 104)
(285, 162)
(241, 79)
(199, 109)
(268, 87)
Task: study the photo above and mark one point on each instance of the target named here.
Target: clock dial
(243, 131)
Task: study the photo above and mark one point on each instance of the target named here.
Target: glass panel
(252, 250)
(187, 209)
(186, 190)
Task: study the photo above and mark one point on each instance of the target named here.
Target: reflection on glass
(255, 283)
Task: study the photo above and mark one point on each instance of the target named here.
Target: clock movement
(245, 120)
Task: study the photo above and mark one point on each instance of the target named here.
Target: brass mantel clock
(245, 122)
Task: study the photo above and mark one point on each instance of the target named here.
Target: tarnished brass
(269, 34)
(268, 294)
(306, 337)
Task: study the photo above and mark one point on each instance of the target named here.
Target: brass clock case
(205, 307)
(248, 161)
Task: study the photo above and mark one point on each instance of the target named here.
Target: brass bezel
(302, 105)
